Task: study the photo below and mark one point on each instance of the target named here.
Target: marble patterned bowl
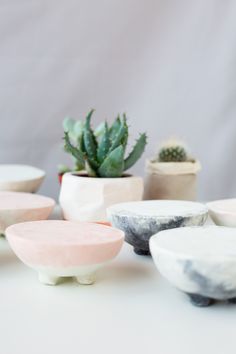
(141, 220)
(16, 207)
(56, 248)
(200, 261)
(20, 178)
(223, 212)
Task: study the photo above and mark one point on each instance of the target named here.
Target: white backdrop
(169, 64)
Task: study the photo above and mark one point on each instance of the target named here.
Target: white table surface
(130, 309)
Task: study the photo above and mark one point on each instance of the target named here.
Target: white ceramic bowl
(16, 207)
(223, 212)
(200, 261)
(56, 248)
(20, 178)
(141, 220)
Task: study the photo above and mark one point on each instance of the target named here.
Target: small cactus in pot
(102, 152)
(172, 151)
(102, 156)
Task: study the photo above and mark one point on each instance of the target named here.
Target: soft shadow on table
(126, 272)
(7, 258)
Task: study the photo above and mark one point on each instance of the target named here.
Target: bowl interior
(17, 173)
(227, 206)
(59, 232)
(23, 201)
(161, 208)
(208, 241)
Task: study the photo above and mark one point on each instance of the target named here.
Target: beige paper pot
(84, 198)
(171, 180)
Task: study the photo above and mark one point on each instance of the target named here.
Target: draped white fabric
(169, 64)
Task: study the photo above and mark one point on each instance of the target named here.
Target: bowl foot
(47, 279)
(141, 252)
(87, 279)
(232, 301)
(200, 301)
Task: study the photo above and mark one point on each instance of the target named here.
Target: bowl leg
(141, 252)
(47, 279)
(232, 301)
(86, 279)
(200, 301)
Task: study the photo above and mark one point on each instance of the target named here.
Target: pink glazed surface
(23, 201)
(58, 243)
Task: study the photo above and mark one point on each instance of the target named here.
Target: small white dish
(200, 261)
(16, 207)
(223, 212)
(20, 178)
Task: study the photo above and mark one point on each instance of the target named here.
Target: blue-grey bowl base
(200, 301)
(142, 252)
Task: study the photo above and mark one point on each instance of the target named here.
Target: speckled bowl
(16, 207)
(56, 248)
(200, 261)
(223, 212)
(20, 178)
(141, 220)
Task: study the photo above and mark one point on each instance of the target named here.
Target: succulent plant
(102, 152)
(173, 151)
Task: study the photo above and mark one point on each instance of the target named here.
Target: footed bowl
(141, 220)
(20, 178)
(223, 212)
(56, 248)
(16, 207)
(200, 261)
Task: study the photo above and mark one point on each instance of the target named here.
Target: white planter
(85, 198)
(171, 180)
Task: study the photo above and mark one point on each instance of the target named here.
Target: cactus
(102, 152)
(173, 151)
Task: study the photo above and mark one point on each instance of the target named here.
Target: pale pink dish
(16, 207)
(223, 212)
(57, 248)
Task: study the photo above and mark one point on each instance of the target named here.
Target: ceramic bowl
(223, 212)
(200, 261)
(56, 248)
(141, 220)
(16, 207)
(20, 178)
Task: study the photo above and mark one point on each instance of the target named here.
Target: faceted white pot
(84, 198)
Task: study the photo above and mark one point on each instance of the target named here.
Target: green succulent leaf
(104, 144)
(99, 131)
(120, 138)
(115, 128)
(113, 165)
(126, 134)
(89, 141)
(74, 151)
(63, 169)
(136, 152)
(68, 124)
(91, 172)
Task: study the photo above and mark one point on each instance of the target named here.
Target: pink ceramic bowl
(57, 248)
(16, 207)
(223, 212)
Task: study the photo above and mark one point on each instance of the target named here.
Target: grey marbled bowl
(141, 220)
(200, 261)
